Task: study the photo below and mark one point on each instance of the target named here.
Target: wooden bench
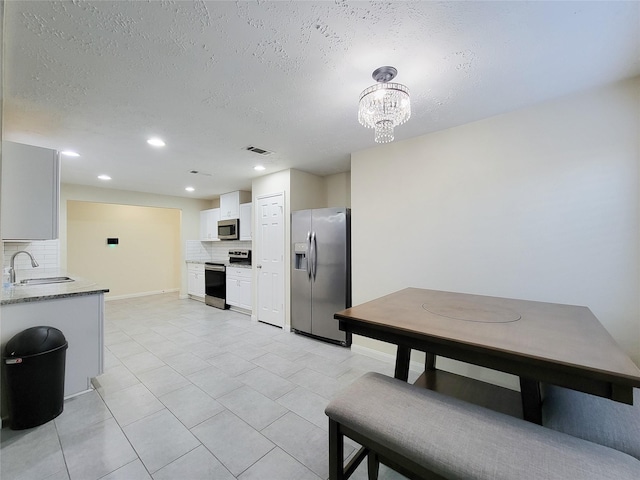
(592, 418)
(426, 435)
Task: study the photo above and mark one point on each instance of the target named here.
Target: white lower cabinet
(239, 287)
(195, 280)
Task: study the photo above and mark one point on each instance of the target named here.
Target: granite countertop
(36, 293)
(225, 262)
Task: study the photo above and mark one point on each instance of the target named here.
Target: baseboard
(384, 357)
(140, 294)
(244, 311)
(472, 371)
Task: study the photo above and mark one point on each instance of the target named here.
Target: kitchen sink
(44, 281)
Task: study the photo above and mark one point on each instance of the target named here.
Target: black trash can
(34, 364)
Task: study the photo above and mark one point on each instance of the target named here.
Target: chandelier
(385, 105)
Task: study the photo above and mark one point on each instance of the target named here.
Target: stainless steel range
(240, 256)
(215, 285)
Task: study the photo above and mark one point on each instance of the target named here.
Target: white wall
(540, 204)
(190, 208)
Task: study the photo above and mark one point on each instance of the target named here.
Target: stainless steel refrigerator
(320, 271)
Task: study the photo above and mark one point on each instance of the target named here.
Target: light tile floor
(192, 392)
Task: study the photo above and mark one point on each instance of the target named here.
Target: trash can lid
(34, 340)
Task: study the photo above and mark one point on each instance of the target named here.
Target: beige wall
(147, 257)
(189, 208)
(307, 191)
(338, 190)
(539, 204)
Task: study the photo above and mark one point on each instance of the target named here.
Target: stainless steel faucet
(12, 270)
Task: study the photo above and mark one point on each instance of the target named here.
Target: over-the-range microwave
(229, 229)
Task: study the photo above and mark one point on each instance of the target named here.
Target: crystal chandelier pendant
(385, 105)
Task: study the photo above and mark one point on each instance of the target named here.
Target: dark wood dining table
(539, 342)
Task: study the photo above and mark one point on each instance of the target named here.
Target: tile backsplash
(209, 251)
(46, 253)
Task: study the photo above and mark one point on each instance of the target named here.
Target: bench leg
(373, 465)
(336, 451)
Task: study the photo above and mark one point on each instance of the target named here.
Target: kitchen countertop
(226, 263)
(36, 293)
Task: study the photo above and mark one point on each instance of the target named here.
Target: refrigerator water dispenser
(300, 250)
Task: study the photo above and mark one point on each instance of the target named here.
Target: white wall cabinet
(195, 279)
(209, 224)
(239, 287)
(230, 204)
(30, 192)
(245, 221)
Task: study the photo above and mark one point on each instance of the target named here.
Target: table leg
(430, 361)
(531, 400)
(403, 356)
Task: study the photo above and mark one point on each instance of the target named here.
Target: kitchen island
(76, 308)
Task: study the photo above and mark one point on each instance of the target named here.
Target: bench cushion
(592, 418)
(458, 440)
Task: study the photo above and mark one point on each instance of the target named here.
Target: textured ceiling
(212, 77)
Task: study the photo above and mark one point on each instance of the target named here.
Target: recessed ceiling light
(190, 189)
(259, 168)
(156, 142)
(104, 177)
(70, 153)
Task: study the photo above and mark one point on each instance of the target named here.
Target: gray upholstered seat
(457, 440)
(592, 418)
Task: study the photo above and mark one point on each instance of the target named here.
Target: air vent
(259, 151)
(197, 172)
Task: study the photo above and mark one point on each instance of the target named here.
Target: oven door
(215, 285)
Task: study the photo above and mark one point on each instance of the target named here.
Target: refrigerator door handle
(314, 256)
(309, 255)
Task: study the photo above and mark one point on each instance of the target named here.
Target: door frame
(257, 246)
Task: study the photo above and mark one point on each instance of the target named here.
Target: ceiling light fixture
(385, 105)
(190, 189)
(259, 168)
(104, 177)
(156, 142)
(69, 153)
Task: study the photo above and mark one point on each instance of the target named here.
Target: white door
(270, 265)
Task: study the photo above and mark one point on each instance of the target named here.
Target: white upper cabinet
(209, 224)
(30, 192)
(230, 204)
(245, 221)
